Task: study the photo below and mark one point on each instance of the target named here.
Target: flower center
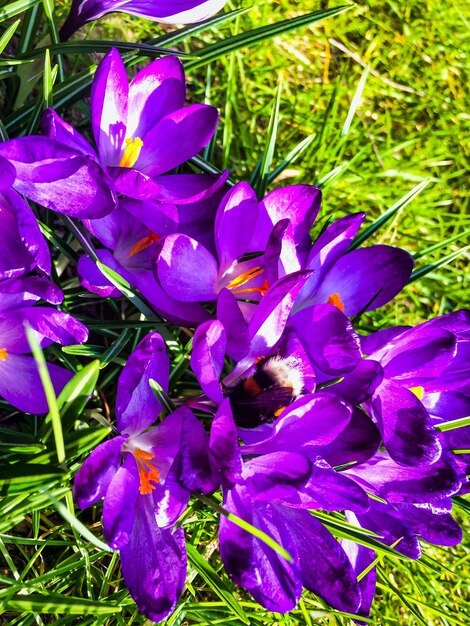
(144, 243)
(235, 284)
(335, 300)
(131, 152)
(147, 472)
(3, 354)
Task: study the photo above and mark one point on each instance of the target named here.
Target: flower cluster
(305, 413)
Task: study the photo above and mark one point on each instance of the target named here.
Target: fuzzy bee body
(259, 398)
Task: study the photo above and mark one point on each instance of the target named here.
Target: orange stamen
(147, 472)
(143, 244)
(262, 289)
(131, 152)
(335, 300)
(3, 354)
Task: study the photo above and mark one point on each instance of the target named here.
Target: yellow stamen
(3, 354)
(147, 472)
(418, 391)
(244, 278)
(131, 152)
(279, 411)
(143, 244)
(335, 300)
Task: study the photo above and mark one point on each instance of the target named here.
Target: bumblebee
(261, 397)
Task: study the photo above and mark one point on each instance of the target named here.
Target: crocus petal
(21, 386)
(109, 96)
(188, 188)
(56, 128)
(406, 426)
(235, 218)
(120, 504)
(58, 178)
(95, 475)
(309, 422)
(153, 564)
(361, 558)
(195, 471)
(359, 384)
(229, 313)
(93, 279)
(176, 138)
(440, 529)
(157, 90)
(328, 337)
(357, 442)
(366, 278)
(328, 248)
(325, 568)
(225, 455)
(15, 259)
(273, 581)
(397, 483)
(51, 325)
(391, 527)
(186, 270)
(7, 173)
(176, 12)
(418, 355)
(298, 203)
(136, 405)
(27, 290)
(207, 357)
(22, 242)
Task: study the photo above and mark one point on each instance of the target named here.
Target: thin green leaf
(58, 603)
(15, 8)
(389, 213)
(8, 34)
(263, 178)
(50, 395)
(452, 425)
(75, 523)
(205, 570)
(445, 260)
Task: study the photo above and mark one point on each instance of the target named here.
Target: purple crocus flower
(131, 248)
(145, 476)
(355, 281)
(174, 12)
(22, 243)
(20, 383)
(272, 492)
(242, 227)
(56, 176)
(142, 130)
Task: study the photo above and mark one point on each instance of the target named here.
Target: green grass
(369, 137)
